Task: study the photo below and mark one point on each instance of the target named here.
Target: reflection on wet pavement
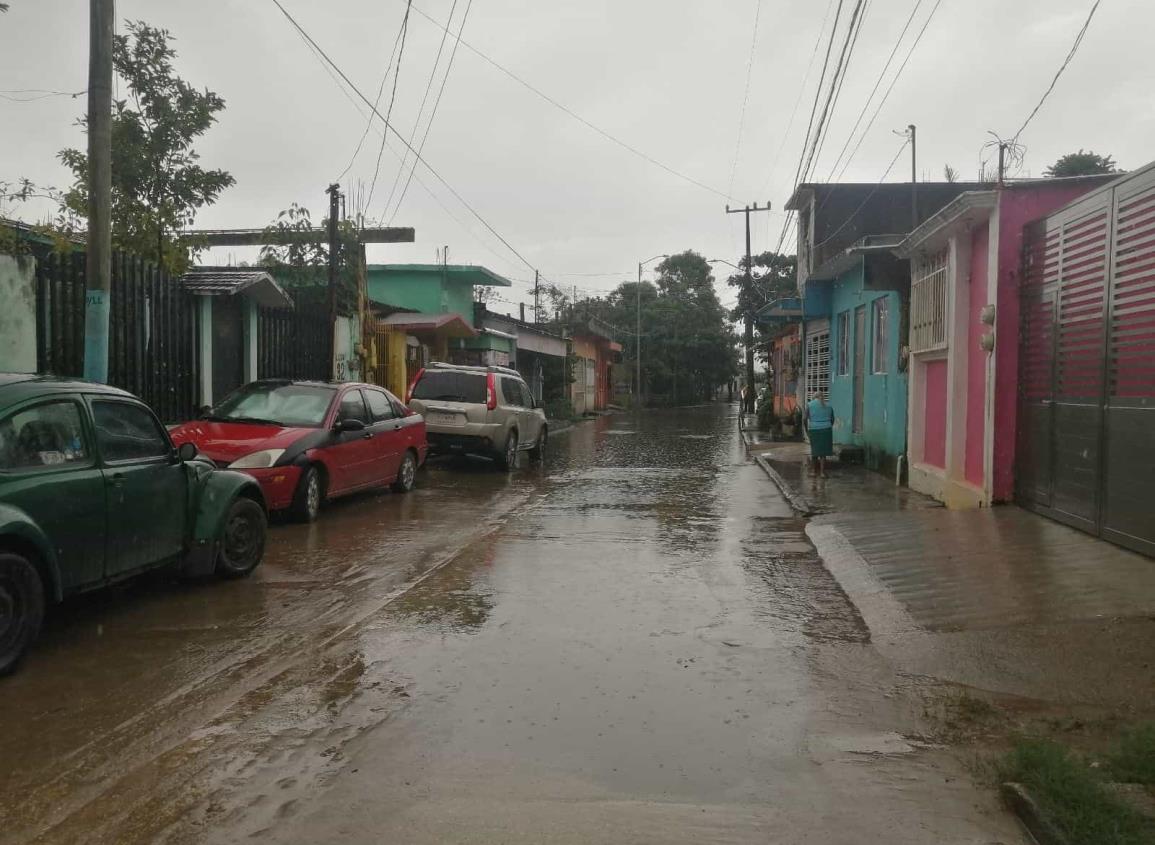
(636, 643)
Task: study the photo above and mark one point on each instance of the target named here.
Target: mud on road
(635, 643)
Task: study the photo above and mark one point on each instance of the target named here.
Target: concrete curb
(1041, 828)
(800, 503)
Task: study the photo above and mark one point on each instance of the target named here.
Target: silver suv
(479, 411)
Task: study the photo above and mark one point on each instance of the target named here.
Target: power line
(873, 191)
(15, 95)
(436, 103)
(745, 95)
(392, 97)
(1059, 72)
(574, 115)
(890, 88)
(874, 90)
(380, 91)
(797, 102)
(420, 112)
(391, 128)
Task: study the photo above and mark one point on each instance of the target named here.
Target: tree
(774, 276)
(157, 183)
(1082, 163)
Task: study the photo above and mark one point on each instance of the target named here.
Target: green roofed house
(425, 313)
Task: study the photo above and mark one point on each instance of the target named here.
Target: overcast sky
(664, 76)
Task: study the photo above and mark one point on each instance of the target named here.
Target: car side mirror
(349, 425)
(186, 451)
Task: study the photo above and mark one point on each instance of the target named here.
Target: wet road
(635, 643)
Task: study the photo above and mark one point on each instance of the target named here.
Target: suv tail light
(412, 384)
(490, 391)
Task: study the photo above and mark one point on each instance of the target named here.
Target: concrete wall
(883, 434)
(18, 314)
(974, 470)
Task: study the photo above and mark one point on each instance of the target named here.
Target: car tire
(242, 543)
(507, 459)
(309, 496)
(21, 608)
(537, 453)
(406, 473)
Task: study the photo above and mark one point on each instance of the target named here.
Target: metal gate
(1086, 432)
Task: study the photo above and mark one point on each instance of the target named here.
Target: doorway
(859, 366)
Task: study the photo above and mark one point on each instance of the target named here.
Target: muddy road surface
(633, 643)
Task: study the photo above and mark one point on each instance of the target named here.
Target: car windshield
(450, 386)
(290, 405)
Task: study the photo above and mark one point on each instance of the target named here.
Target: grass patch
(1133, 758)
(1073, 795)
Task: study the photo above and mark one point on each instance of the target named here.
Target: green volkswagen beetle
(93, 492)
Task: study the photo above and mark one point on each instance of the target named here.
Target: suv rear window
(449, 386)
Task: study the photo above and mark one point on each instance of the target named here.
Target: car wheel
(21, 608)
(242, 544)
(309, 495)
(406, 473)
(537, 453)
(507, 460)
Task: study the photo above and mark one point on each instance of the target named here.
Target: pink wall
(934, 414)
(976, 359)
(1017, 207)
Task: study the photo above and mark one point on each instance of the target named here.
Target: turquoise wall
(883, 435)
(427, 291)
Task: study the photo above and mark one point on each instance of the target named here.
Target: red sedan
(306, 441)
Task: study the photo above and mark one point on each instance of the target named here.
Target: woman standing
(820, 426)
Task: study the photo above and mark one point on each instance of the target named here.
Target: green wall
(428, 291)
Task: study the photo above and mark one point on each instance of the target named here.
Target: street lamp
(638, 335)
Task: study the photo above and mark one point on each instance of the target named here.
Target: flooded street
(633, 643)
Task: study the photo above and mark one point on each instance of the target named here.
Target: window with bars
(928, 294)
(818, 365)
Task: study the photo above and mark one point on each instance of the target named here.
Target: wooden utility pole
(749, 286)
(98, 258)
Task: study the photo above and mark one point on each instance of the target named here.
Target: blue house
(855, 297)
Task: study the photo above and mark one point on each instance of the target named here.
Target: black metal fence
(151, 329)
(294, 343)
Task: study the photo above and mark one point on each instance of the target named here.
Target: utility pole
(749, 286)
(334, 192)
(1002, 160)
(913, 181)
(98, 258)
(536, 294)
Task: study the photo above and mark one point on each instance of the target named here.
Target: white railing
(928, 311)
(817, 365)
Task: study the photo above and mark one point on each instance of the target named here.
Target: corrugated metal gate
(1086, 433)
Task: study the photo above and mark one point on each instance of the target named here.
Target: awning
(780, 311)
(256, 285)
(446, 325)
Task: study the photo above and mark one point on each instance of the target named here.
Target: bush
(1133, 759)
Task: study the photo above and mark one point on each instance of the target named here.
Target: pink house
(964, 338)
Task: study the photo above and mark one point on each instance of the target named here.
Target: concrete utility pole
(749, 333)
(334, 192)
(913, 181)
(536, 294)
(98, 258)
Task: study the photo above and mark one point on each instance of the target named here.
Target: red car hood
(224, 442)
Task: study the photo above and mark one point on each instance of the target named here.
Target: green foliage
(1081, 164)
(774, 276)
(1133, 758)
(158, 184)
(559, 409)
(299, 251)
(688, 346)
(1069, 792)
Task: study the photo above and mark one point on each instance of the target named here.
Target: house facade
(854, 298)
(963, 338)
(538, 354)
(594, 352)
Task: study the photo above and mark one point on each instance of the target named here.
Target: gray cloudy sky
(665, 76)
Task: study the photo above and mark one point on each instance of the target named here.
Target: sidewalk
(995, 599)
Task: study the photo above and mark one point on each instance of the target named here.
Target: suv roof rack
(441, 365)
